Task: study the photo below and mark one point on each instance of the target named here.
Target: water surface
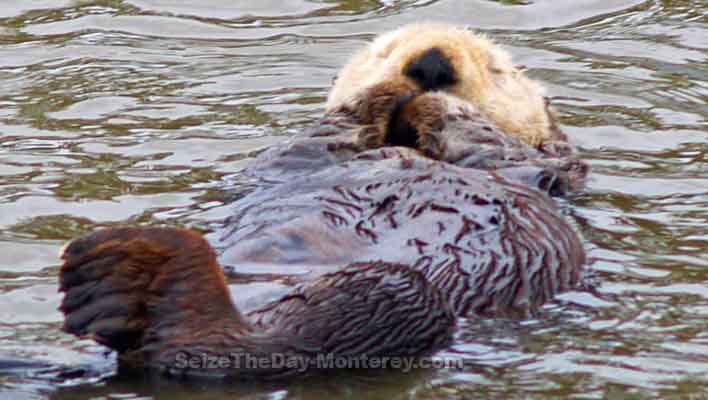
(144, 112)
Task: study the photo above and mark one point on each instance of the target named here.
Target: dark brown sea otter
(423, 193)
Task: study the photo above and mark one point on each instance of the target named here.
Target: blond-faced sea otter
(421, 195)
(436, 57)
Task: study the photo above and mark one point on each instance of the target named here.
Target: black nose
(432, 70)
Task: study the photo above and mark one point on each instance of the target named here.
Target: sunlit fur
(486, 76)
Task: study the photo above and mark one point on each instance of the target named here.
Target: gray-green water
(144, 111)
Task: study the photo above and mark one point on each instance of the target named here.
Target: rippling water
(144, 111)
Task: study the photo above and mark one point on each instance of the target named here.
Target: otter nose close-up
(432, 70)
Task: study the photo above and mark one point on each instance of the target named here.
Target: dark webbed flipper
(130, 286)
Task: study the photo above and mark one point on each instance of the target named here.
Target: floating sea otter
(420, 192)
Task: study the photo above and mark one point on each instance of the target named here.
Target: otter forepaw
(377, 103)
(419, 124)
(377, 106)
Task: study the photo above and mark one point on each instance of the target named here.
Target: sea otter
(423, 193)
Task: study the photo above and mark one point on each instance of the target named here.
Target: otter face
(431, 57)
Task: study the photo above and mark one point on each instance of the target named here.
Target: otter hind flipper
(126, 287)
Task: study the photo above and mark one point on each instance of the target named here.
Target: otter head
(433, 58)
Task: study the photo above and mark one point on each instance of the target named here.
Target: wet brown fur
(142, 279)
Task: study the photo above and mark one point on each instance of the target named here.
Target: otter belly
(487, 243)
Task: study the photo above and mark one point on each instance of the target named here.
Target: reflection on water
(144, 111)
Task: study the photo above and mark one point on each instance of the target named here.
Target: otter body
(424, 193)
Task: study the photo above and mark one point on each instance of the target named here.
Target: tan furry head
(438, 57)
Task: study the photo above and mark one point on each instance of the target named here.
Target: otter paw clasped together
(423, 194)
